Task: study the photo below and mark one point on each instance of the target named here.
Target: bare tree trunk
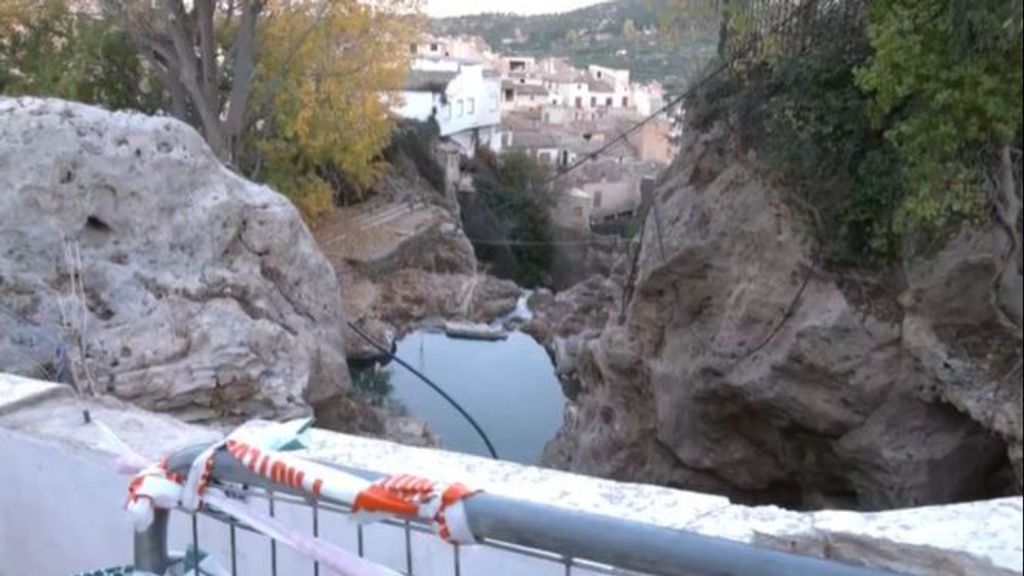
(205, 101)
(181, 46)
(204, 11)
(723, 30)
(1007, 208)
(243, 74)
(1010, 205)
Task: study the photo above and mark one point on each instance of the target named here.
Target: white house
(461, 95)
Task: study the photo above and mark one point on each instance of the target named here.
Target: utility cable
(428, 382)
(689, 92)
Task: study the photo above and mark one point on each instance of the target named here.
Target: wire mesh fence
(761, 30)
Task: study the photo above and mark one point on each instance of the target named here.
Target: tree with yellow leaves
(327, 74)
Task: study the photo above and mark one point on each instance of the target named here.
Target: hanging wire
(480, 431)
(748, 50)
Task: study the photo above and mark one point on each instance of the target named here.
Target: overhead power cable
(480, 431)
(722, 67)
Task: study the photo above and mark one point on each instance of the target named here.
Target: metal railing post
(151, 544)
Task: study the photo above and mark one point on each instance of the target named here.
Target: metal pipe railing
(568, 534)
(151, 546)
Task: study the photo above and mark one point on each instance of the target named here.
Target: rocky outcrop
(742, 367)
(134, 263)
(565, 321)
(403, 263)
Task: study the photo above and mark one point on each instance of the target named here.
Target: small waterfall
(520, 314)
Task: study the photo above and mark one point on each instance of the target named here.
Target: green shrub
(515, 191)
(47, 49)
(414, 141)
(946, 78)
(884, 137)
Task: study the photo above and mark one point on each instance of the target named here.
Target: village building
(572, 210)
(554, 111)
(462, 96)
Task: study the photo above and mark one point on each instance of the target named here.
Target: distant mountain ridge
(621, 34)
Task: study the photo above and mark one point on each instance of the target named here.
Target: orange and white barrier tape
(405, 496)
(154, 486)
(411, 496)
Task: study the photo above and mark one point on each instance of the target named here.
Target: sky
(440, 8)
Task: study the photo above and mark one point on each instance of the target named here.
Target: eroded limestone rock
(204, 294)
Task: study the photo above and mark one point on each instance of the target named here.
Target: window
(433, 47)
(471, 106)
(597, 199)
(625, 101)
(593, 101)
(460, 108)
(608, 102)
(598, 74)
(579, 104)
(509, 95)
(412, 48)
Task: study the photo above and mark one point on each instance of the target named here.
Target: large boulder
(743, 367)
(134, 263)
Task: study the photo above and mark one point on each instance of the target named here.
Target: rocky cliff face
(131, 261)
(742, 367)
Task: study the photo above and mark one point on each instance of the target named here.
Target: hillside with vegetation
(623, 34)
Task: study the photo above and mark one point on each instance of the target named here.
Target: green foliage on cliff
(947, 82)
(819, 137)
(413, 142)
(886, 138)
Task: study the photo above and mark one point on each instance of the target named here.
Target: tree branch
(244, 71)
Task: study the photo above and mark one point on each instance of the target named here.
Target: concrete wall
(61, 504)
(572, 210)
(471, 99)
(612, 197)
